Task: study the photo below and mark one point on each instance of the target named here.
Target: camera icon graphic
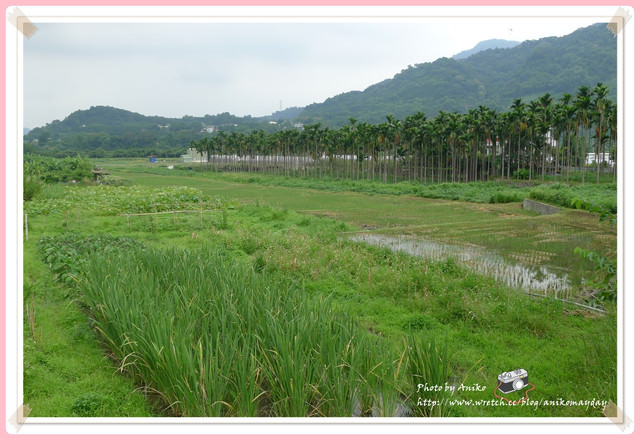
(511, 381)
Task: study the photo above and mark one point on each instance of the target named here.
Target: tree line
(537, 139)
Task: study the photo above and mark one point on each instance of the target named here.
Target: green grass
(482, 192)
(485, 327)
(66, 371)
(603, 196)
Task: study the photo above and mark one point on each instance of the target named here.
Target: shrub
(604, 280)
(31, 187)
(88, 405)
(601, 199)
(506, 197)
(52, 170)
(521, 174)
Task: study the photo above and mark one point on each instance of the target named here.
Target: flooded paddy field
(530, 277)
(525, 251)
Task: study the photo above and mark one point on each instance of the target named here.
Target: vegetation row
(214, 338)
(39, 170)
(539, 139)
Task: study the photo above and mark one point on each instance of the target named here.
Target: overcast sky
(245, 69)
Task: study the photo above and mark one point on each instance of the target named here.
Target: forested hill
(103, 130)
(492, 78)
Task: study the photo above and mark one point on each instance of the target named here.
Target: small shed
(98, 174)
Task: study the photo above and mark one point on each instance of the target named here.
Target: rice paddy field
(193, 294)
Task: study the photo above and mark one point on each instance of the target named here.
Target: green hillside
(492, 78)
(108, 131)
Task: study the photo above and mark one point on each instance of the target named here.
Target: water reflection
(539, 278)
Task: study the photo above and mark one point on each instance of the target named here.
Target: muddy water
(539, 278)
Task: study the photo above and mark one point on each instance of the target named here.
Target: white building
(603, 158)
(549, 139)
(193, 156)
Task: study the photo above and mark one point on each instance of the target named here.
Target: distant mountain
(286, 114)
(104, 130)
(493, 78)
(484, 45)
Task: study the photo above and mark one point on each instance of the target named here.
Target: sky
(178, 69)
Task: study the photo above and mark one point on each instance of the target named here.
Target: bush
(88, 405)
(521, 174)
(52, 170)
(601, 199)
(506, 197)
(604, 280)
(31, 188)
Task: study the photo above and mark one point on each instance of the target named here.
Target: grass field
(468, 327)
(515, 234)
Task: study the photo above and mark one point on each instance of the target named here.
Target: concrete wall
(539, 207)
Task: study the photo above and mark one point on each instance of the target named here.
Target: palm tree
(440, 126)
(532, 119)
(583, 105)
(612, 123)
(393, 134)
(411, 135)
(518, 109)
(600, 101)
(565, 118)
(545, 117)
(453, 130)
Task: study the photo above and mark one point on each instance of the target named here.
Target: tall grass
(602, 196)
(213, 338)
(428, 366)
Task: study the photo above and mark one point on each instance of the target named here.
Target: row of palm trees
(540, 138)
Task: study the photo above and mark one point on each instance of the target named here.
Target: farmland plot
(361, 326)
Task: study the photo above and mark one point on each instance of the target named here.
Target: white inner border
(14, 225)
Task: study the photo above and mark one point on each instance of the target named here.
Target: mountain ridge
(492, 77)
(494, 43)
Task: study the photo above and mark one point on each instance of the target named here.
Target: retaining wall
(539, 207)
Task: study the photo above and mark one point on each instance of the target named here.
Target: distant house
(603, 159)
(193, 156)
(550, 140)
(489, 145)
